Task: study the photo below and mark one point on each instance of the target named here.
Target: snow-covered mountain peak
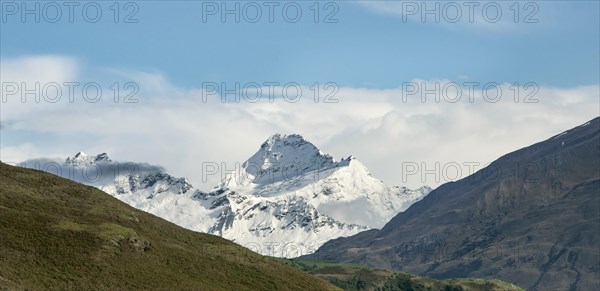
(102, 157)
(281, 157)
(282, 147)
(351, 160)
(125, 178)
(280, 139)
(80, 156)
(83, 159)
(355, 166)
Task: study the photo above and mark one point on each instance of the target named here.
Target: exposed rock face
(531, 218)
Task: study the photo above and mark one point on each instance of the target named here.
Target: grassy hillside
(350, 276)
(57, 234)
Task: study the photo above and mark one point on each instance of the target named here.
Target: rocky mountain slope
(531, 218)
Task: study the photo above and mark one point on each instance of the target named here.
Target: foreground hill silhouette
(531, 218)
(58, 234)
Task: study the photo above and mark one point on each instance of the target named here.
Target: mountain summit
(281, 157)
(82, 158)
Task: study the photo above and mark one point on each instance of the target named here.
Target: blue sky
(369, 53)
(366, 48)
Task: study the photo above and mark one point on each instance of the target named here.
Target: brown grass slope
(58, 234)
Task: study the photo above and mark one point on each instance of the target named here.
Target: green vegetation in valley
(349, 276)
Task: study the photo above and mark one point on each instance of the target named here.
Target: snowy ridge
(286, 200)
(119, 179)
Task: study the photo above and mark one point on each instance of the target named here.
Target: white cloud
(23, 74)
(175, 129)
(15, 154)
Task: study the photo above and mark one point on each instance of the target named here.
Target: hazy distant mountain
(531, 218)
